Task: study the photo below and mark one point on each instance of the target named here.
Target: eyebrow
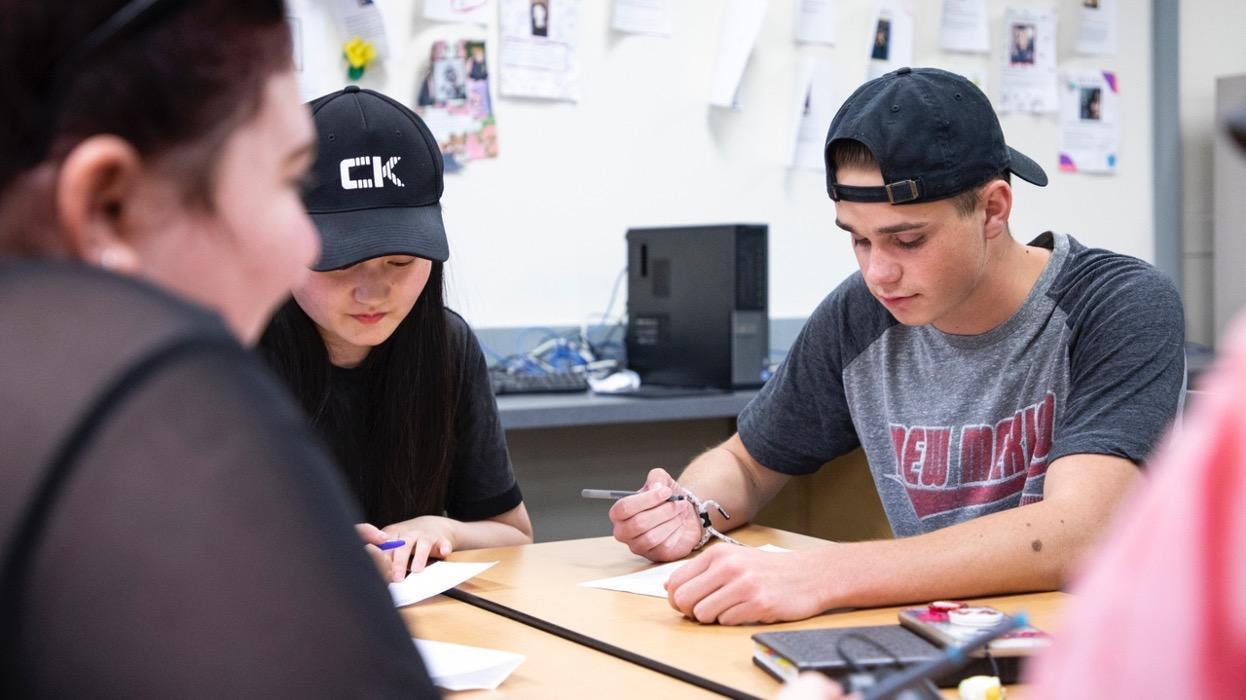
(894, 228)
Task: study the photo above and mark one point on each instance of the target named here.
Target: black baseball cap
(377, 181)
(933, 133)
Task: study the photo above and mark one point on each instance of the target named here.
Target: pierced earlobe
(119, 259)
(110, 258)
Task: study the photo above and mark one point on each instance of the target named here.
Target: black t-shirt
(200, 544)
(482, 483)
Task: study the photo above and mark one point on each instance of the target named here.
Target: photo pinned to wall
(539, 12)
(642, 17)
(538, 56)
(1090, 129)
(963, 26)
(814, 106)
(1021, 49)
(1028, 79)
(454, 102)
(882, 39)
(1096, 36)
(471, 11)
(1091, 104)
(815, 21)
(892, 45)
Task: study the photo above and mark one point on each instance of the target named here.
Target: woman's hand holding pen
(371, 535)
(428, 536)
(653, 526)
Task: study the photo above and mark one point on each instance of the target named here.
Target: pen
(613, 495)
(391, 544)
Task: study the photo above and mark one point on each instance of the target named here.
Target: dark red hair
(179, 80)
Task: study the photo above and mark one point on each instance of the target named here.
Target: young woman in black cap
(393, 380)
(171, 526)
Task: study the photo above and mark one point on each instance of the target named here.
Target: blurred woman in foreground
(170, 526)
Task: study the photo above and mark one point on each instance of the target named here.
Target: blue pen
(391, 544)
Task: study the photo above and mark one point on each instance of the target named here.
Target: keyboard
(554, 383)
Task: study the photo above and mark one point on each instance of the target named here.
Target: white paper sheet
(963, 26)
(317, 50)
(644, 582)
(435, 578)
(892, 44)
(460, 667)
(650, 581)
(1028, 78)
(642, 17)
(1097, 34)
(741, 24)
(296, 40)
(1090, 126)
(815, 21)
(361, 18)
(538, 51)
(474, 11)
(814, 107)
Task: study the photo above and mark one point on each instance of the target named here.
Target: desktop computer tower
(698, 305)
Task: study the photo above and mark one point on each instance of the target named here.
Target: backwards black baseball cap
(933, 133)
(377, 181)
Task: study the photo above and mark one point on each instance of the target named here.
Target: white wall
(1211, 46)
(536, 235)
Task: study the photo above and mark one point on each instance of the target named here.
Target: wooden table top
(542, 580)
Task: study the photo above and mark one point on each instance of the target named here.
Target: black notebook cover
(832, 650)
(829, 651)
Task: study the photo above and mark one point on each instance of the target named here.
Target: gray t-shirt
(955, 427)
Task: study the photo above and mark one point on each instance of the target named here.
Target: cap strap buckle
(898, 194)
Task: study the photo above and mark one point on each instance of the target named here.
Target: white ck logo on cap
(380, 172)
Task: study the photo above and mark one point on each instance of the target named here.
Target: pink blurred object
(1160, 610)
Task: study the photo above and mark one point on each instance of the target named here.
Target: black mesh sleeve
(204, 547)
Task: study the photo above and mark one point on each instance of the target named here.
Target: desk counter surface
(542, 579)
(526, 411)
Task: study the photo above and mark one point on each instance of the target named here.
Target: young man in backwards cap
(1005, 393)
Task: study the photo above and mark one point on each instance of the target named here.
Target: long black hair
(407, 412)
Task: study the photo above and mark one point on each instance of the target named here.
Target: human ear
(997, 206)
(96, 184)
